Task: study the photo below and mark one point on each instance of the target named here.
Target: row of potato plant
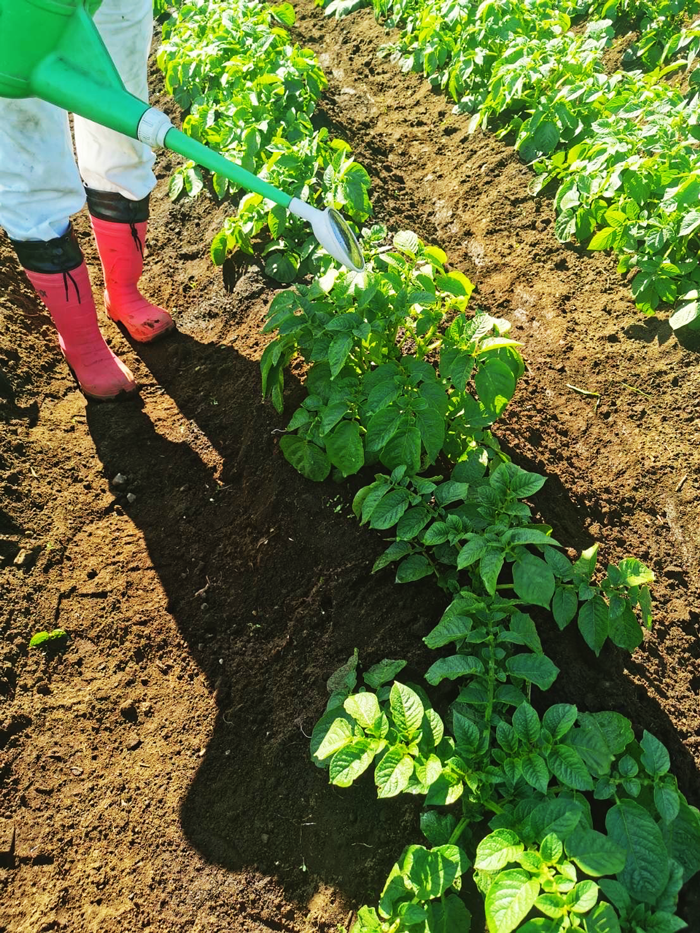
(622, 147)
(400, 375)
(249, 93)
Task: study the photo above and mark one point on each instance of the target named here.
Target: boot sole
(125, 330)
(121, 396)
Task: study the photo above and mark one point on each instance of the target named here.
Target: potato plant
(547, 864)
(374, 394)
(622, 146)
(250, 93)
(567, 819)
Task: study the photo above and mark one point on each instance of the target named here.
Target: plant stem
(458, 830)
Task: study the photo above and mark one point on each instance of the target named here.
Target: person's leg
(39, 190)
(118, 173)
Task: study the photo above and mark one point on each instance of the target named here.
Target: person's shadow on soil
(261, 588)
(269, 583)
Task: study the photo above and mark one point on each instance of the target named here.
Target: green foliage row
(623, 147)
(249, 93)
(401, 374)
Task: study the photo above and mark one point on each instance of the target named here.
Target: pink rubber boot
(68, 298)
(121, 248)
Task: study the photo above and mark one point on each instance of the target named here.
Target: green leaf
(551, 848)
(45, 638)
(431, 426)
(559, 719)
(403, 450)
(276, 221)
(381, 428)
(560, 816)
(413, 568)
(406, 709)
(451, 491)
(526, 723)
(605, 238)
(394, 552)
(338, 352)
(593, 623)
(564, 605)
(459, 665)
(682, 838)
(689, 222)
(668, 803)
(600, 738)
(535, 771)
(509, 478)
(176, 186)
(445, 791)
(383, 672)
(594, 853)
(533, 580)
(219, 248)
(364, 709)
(282, 267)
(390, 509)
(553, 905)
(283, 13)
(344, 447)
(438, 533)
(510, 899)
(583, 897)
(437, 827)
(466, 732)
(602, 919)
(495, 385)
(412, 522)
(490, 567)
(568, 766)
(655, 758)
(534, 668)
(407, 241)
(585, 565)
(646, 870)
(331, 733)
(687, 315)
(351, 761)
(448, 915)
(546, 137)
(472, 551)
(634, 572)
(393, 773)
(450, 628)
(497, 850)
(625, 631)
(305, 457)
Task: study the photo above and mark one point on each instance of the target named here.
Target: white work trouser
(40, 185)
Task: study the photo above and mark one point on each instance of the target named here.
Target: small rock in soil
(265, 837)
(7, 836)
(133, 744)
(120, 480)
(130, 497)
(25, 558)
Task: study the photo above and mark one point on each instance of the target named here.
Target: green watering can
(52, 50)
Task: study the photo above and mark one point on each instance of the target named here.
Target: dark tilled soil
(155, 773)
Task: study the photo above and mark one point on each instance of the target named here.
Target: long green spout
(191, 149)
(52, 50)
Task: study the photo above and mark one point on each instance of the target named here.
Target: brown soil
(156, 774)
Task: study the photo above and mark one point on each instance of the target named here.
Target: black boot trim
(62, 254)
(109, 205)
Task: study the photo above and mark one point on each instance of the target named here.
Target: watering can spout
(52, 50)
